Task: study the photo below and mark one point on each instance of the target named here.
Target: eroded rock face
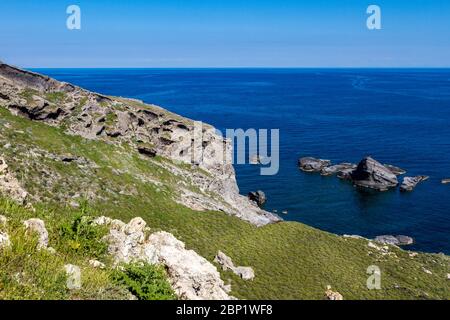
(310, 164)
(409, 183)
(149, 129)
(226, 263)
(373, 175)
(191, 276)
(37, 226)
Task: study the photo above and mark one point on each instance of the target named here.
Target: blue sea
(399, 116)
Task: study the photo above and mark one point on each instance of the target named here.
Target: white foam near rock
(192, 277)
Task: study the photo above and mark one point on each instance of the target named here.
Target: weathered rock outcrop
(310, 164)
(223, 260)
(409, 183)
(149, 129)
(373, 175)
(259, 197)
(394, 240)
(9, 185)
(192, 276)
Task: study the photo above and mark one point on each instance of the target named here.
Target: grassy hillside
(291, 260)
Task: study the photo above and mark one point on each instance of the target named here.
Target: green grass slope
(291, 260)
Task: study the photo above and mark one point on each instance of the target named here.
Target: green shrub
(145, 281)
(81, 236)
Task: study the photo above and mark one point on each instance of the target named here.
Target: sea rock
(343, 167)
(332, 295)
(192, 277)
(309, 164)
(37, 226)
(4, 240)
(257, 196)
(409, 183)
(373, 175)
(395, 170)
(394, 240)
(226, 263)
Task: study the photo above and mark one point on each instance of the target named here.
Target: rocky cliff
(149, 129)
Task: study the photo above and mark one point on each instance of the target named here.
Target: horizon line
(243, 67)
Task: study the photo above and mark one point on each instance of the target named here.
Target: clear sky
(225, 33)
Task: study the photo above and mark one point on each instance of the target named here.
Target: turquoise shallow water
(399, 117)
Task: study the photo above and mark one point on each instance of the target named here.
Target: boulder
(343, 167)
(332, 295)
(73, 277)
(373, 175)
(409, 183)
(258, 196)
(3, 220)
(192, 277)
(37, 226)
(309, 164)
(246, 273)
(394, 240)
(4, 240)
(97, 264)
(226, 263)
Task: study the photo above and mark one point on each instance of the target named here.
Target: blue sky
(219, 33)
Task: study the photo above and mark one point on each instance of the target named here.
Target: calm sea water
(401, 117)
